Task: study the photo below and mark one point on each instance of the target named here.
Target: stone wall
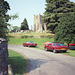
(3, 57)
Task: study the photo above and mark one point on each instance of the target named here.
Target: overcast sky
(26, 9)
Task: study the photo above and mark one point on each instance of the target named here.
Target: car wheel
(65, 51)
(23, 45)
(46, 49)
(54, 51)
(28, 45)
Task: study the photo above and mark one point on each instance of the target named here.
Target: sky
(26, 9)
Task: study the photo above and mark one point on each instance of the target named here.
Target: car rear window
(49, 42)
(31, 42)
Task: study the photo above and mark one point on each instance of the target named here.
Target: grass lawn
(20, 41)
(70, 53)
(18, 62)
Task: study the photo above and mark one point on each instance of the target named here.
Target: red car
(29, 43)
(72, 46)
(55, 47)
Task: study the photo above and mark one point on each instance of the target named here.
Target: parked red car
(29, 43)
(72, 46)
(55, 47)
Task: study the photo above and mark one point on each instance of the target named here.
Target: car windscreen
(59, 44)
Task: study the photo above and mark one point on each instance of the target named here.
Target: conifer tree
(54, 10)
(65, 31)
(24, 25)
(4, 7)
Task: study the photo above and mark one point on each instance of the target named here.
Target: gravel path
(46, 63)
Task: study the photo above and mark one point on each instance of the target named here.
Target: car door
(49, 46)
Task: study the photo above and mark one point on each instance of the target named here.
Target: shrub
(49, 36)
(25, 36)
(30, 36)
(43, 36)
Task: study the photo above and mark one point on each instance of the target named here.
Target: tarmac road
(46, 62)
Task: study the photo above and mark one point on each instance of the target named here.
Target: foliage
(4, 18)
(46, 36)
(14, 16)
(65, 31)
(24, 25)
(15, 29)
(26, 36)
(43, 36)
(54, 10)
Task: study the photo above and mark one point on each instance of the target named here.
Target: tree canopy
(54, 10)
(4, 18)
(65, 31)
(15, 29)
(24, 25)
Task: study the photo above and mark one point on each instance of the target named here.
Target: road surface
(46, 62)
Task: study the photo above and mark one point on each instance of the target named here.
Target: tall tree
(65, 31)
(54, 10)
(15, 29)
(24, 25)
(4, 7)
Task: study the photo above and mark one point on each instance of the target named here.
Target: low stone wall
(3, 57)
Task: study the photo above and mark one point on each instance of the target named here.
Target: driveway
(45, 62)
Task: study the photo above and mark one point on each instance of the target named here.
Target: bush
(30, 36)
(49, 36)
(43, 36)
(26, 36)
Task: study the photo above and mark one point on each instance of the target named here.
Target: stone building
(39, 26)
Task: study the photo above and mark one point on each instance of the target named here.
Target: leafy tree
(65, 31)
(15, 29)
(24, 25)
(54, 10)
(4, 18)
(13, 17)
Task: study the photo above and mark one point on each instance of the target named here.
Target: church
(39, 26)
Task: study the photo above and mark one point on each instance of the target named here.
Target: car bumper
(61, 50)
(72, 47)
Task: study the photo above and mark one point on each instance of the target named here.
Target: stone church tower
(39, 26)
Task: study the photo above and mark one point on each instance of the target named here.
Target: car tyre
(28, 45)
(54, 51)
(46, 49)
(23, 45)
(65, 51)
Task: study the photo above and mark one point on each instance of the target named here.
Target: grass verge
(18, 62)
(70, 53)
(20, 41)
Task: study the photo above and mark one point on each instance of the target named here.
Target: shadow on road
(36, 63)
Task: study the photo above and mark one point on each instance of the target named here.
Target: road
(46, 62)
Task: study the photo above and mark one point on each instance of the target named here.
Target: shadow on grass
(19, 65)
